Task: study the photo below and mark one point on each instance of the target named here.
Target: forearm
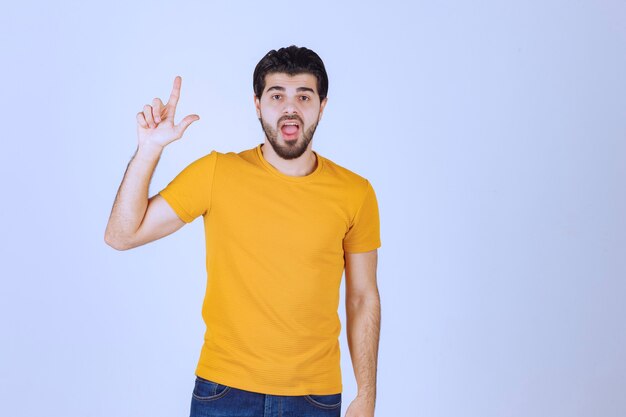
(131, 200)
(363, 333)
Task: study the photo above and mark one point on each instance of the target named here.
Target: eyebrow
(299, 89)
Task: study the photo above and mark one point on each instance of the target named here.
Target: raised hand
(155, 125)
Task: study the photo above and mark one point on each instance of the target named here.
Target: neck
(297, 167)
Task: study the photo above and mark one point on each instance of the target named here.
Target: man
(281, 223)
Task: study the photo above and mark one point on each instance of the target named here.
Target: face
(289, 110)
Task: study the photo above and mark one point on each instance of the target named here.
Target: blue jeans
(210, 399)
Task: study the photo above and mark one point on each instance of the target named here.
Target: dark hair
(291, 60)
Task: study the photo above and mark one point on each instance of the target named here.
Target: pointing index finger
(175, 95)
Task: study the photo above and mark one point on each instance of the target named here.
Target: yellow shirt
(274, 259)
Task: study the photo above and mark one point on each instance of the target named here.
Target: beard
(291, 150)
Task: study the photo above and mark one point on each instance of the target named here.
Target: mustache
(291, 117)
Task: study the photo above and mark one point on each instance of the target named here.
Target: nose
(290, 106)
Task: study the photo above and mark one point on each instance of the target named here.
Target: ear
(257, 105)
(322, 105)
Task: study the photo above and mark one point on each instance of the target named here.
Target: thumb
(184, 124)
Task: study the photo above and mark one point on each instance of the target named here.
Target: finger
(174, 96)
(184, 124)
(142, 120)
(157, 109)
(147, 113)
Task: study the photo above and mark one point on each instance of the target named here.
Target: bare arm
(363, 327)
(135, 219)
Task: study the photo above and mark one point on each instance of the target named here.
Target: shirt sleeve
(364, 233)
(189, 193)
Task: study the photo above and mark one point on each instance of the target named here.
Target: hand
(155, 125)
(360, 407)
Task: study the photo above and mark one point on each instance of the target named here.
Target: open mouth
(290, 130)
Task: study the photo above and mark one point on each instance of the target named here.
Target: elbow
(369, 300)
(115, 243)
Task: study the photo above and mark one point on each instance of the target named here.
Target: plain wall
(493, 133)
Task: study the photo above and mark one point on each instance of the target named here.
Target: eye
(276, 97)
(305, 98)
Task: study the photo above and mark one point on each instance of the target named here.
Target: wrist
(148, 151)
(367, 394)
